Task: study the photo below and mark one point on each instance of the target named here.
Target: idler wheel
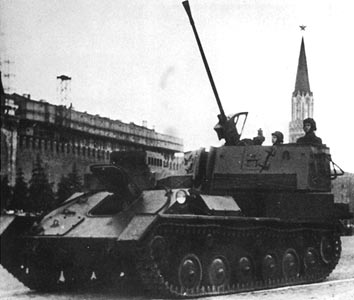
(219, 271)
(327, 250)
(158, 249)
(190, 271)
(270, 266)
(291, 264)
(245, 269)
(311, 259)
(159, 253)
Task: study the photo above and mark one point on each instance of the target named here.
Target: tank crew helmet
(279, 136)
(311, 122)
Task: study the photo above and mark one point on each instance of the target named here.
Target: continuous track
(225, 260)
(181, 258)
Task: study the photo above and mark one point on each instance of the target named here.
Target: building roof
(127, 133)
(302, 83)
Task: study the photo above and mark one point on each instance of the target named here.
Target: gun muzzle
(188, 9)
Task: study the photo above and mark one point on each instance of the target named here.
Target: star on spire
(302, 27)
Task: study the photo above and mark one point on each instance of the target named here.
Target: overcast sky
(138, 60)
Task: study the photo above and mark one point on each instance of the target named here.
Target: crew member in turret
(259, 139)
(310, 137)
(277, 138)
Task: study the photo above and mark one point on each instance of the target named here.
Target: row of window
(28, 143)
(158, 162)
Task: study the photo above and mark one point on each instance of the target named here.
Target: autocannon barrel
(189, 13)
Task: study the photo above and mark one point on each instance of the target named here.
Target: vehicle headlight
(181, 196)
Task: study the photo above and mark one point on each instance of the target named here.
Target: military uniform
(310, 138)
(259, 139)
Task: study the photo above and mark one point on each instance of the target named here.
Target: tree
(5, 193)
(75, 179)
(69, 185)
(63, 189)
(20, 195)
(41, 196)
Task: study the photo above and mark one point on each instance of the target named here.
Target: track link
(300, 255)
(178, 259)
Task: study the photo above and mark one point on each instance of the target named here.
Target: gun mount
(226, 127)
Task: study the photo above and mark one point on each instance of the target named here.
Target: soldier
(277, 138)
(259, 139)
(310, 137)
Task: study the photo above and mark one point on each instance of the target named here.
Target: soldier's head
(277, 138)
(309, 125)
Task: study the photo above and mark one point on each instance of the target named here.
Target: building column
(11, 146)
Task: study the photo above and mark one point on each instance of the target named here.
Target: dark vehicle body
(233, 219)
(236, 218)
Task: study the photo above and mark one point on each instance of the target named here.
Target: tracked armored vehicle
(236, 218)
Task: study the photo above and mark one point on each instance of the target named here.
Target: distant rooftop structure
(63, 77)
(64, 89)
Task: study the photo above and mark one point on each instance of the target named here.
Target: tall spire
(302, 98)
(302, 83)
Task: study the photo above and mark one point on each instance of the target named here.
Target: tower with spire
(302, 98)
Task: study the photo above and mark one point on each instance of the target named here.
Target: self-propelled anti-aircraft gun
(236, 218)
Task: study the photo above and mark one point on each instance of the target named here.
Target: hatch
(115, 180)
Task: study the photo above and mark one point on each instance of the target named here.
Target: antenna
(5, 65)
(64, 89)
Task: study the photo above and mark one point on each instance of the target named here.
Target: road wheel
(190, 271)
(270, 266)
(219, 271)
(291, 264)
(245, 269)
(311, 260)
(327, 250)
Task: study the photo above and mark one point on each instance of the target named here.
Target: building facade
(62, 136)
(302, 98)
(343, 190)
